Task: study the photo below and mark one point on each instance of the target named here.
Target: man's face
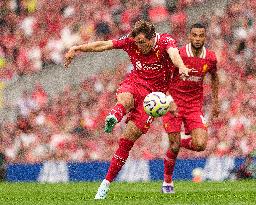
(144, 44)
(197, 37)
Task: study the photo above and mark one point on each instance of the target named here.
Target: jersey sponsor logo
(194, 78)
(193, 70)
(153, 66)
(191, 78)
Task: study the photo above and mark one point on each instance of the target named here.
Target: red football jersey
(152, 70)
(188, 91)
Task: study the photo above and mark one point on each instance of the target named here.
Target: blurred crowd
(69, 125)
(36, 33)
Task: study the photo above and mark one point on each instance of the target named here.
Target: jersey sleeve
(168, 41)
(121, 43)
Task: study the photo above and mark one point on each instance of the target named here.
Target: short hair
(144, 27)
(198, 25)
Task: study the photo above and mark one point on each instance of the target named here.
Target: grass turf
(221, 193)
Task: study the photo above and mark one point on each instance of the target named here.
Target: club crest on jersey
(138, 65)
(205, 68)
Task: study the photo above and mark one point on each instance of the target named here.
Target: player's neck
(197, 51)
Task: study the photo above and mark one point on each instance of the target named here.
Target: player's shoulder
(185, 51)
(165, 37)
(123, 42)
(210, 55)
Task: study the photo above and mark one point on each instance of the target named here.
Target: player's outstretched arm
(97, 46)
(177, 61)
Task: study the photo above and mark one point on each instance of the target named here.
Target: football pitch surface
(221, 193)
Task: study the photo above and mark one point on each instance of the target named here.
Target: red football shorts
(137, 114)
(191, 119)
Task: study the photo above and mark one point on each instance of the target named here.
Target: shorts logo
(148, 122)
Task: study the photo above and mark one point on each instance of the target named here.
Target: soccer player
(187, 93)
(154, 57)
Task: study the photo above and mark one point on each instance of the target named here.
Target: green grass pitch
(220, 193)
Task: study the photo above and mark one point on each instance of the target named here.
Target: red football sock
(119, 158)
(187, 143)
(169, 163)
(118, 111)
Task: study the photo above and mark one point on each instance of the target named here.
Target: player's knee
(174, 146)
(200, 146)
(199, 140)
(175, 149)
(174, 141)
(126, 99)
(132, 132)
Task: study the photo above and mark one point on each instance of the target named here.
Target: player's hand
(69, 56)
(184, 71)
(173, 108)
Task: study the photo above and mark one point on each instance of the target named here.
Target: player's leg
(195, 125)
(130, 135)
(138, 124)
(125, 102)
(169, 162)
(197, 141)
(173, 127)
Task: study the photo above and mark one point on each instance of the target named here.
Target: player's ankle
(107, 182)
(118, 111)
(167, 183)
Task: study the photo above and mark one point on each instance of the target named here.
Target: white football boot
(103, 190)
(168, 188)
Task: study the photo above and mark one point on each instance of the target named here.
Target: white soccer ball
(156, 104)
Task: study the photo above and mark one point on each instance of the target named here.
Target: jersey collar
(156, 40)
(190, 53)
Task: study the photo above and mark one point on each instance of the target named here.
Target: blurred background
(48, 113)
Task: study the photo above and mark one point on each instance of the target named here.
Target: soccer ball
(156, 104)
